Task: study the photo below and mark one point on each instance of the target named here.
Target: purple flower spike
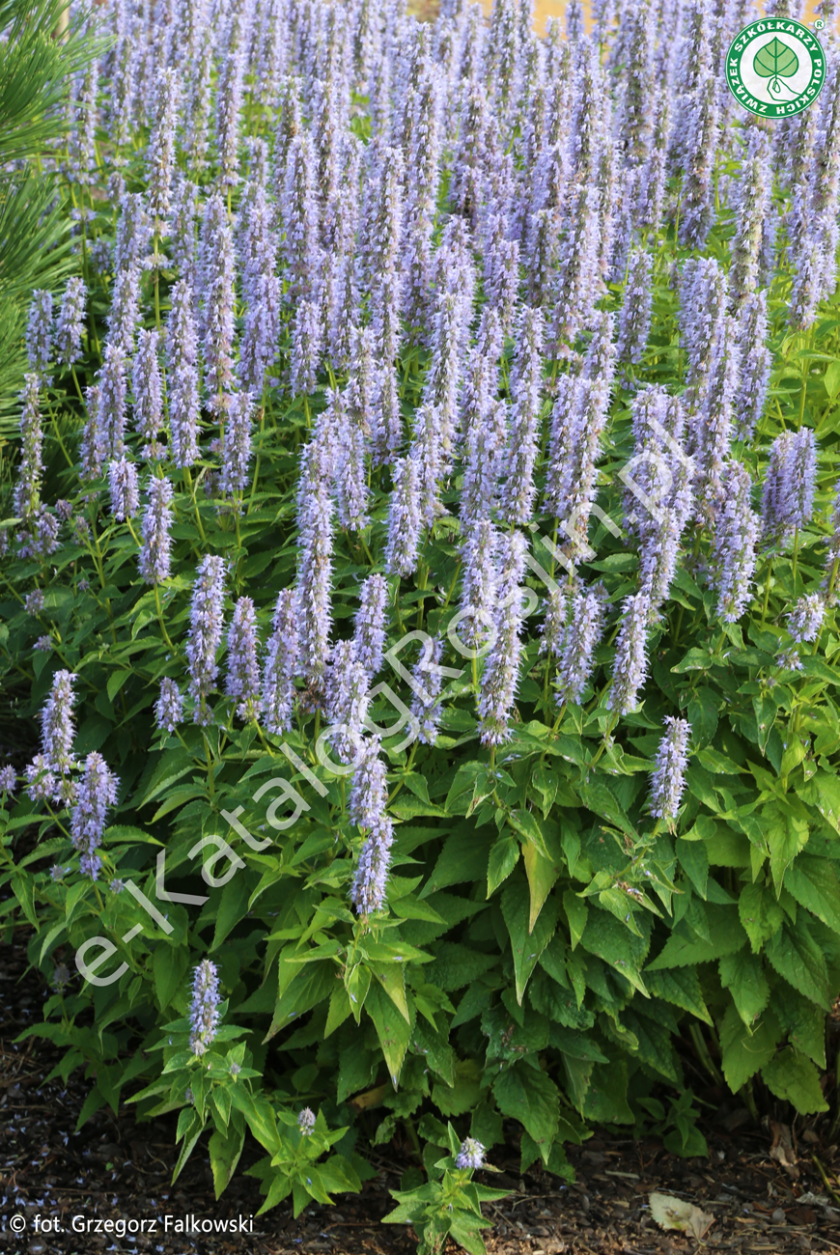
(204, 1012)
(169, 707)
(96, 793)
(154, 558)
(471, 1155)
(668, 780)
(281, 665)
(368, 798)
(734, 539)
(70, 324)
(205, 634)
(500, 675)
(237, 451)
(125, 493)
(630, 666)
(243, 676)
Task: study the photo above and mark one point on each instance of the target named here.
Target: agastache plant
(204, 1012)
(368, 799)
(243, 676)
(155, 557)
(668, 780)
(97, 793)
(70, 323)
(205, 633)
(500, 676)
(491, 375)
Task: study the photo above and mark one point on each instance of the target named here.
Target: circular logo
(775, 67)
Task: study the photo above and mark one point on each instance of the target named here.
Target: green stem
(170, 646)
(766, 592)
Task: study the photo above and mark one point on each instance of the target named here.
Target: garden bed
(116, 1168)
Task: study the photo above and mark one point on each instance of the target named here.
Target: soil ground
(763, 1185)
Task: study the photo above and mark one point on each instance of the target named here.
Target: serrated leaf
(795, 1079)
(526, 946)
(813, 882)
(703, 715)
(743, 1052)
(542, 874)
(462, 858)
(577, 913)
(743, 975)
(681, 987)
(693, 859)
(503, 858)
(685, 948)
(795, 955)
(787, 834)
(528, 826)
(528, 1095)
(607, 938)
(391, 1028)
(169, 964)
(760, 914)
(225, 1151)
(804, 1023)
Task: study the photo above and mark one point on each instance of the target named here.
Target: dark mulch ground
(115, 1168)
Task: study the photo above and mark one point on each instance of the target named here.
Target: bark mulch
(763, 1185)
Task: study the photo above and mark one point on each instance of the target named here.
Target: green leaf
(792, 1077)
(232, 908)
(169, 964)
(528, 1095)
(455, 966)
(503, 858)
(787, 834)
(827, 788)
(680, 986)
(813, 882)
(606, 1098)
(760, 914)
(598, 798)
(462, 858)
(577, 913)
(804, 1023)
(464, 1095)
(744, 1052)
(795, 955)
(718, 763)
(311, 984)
(685, 948)
(542, 874)
(775, 59)
(527, 946)
(391, 1028)
(528, 826)
(224, 1156)
(607, 938)
(23, 887)
(654, 1048)
(743, 975)
(703, 715)
(694, 861)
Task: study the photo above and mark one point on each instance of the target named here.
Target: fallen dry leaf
(675, 1213)
(783, 1149)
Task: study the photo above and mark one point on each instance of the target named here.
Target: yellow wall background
(556, 8)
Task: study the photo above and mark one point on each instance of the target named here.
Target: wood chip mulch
(764, 1185)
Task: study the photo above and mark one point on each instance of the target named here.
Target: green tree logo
(776, 61)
